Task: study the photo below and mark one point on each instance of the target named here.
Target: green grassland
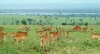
(79, 42)
(8, 19)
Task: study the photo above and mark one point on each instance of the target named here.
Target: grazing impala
(45, 39)
(94, 35)
(21, 36)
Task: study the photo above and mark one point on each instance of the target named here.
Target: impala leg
(4, 38)
(42, 45)
(0, 39)
(91, 40)
(16, 42)
(98, 39)
(22, 42)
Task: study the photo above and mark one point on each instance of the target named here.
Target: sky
(47, 4)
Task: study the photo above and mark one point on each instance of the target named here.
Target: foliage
(24, 22)
(86, 23)
(64, 24)
(17, 22)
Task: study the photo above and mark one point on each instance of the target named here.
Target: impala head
(92, 31)
(1, 28)
(27, 29)
(12, 34)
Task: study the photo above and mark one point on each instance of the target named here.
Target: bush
(86, 23)
(64, 24)
(24, 22)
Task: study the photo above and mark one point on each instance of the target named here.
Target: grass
(8, 19)
(77, 44)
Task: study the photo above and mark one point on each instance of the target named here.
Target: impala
(40, 32)
(22, 27)
(84, 29)
(55, 35)
(1, 28)
(68, 33)
(3, 35)
(45, 39)
(94, 35)
(21, 36)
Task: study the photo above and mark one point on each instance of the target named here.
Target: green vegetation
(77, 44)
(70, 19)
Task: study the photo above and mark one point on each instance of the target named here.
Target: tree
(64, 24)
(24, 22)
(16, 22)
(29, 21)
(86, 23)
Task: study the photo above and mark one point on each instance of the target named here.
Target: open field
(77, 44)
(47, 19)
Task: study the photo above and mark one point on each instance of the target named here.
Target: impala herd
(47, 35)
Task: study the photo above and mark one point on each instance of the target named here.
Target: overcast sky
(39, 4)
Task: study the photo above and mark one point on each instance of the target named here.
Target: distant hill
(49, 10)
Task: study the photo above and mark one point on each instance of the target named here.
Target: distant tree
(50, 16)
(45, 16)
(17, 22)
(12, 23)
(72, 23)
(41, 22)
(47, 21)
(40, 16)
(64, 24)
(80, 23)
(56, 18)
(80, 19)
(30, 21)
(71, 20)
(24, 22)
(4, 23)
(86, 23)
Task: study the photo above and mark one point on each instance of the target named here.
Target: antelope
(55, 35)
(3, 35)
(12, 34)
(45, 39)
(21, 28)
(42, 27)
(68, 33)
(1, 28)
(84, 29)
(20, 36)
(94, 35)
(50, 28)
(40, 32)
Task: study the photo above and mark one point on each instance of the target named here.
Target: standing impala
(94, 35)
(55, 35)
(2, 36)
(68, 33)
(84, 29)
(45, 39)
(21, 36)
